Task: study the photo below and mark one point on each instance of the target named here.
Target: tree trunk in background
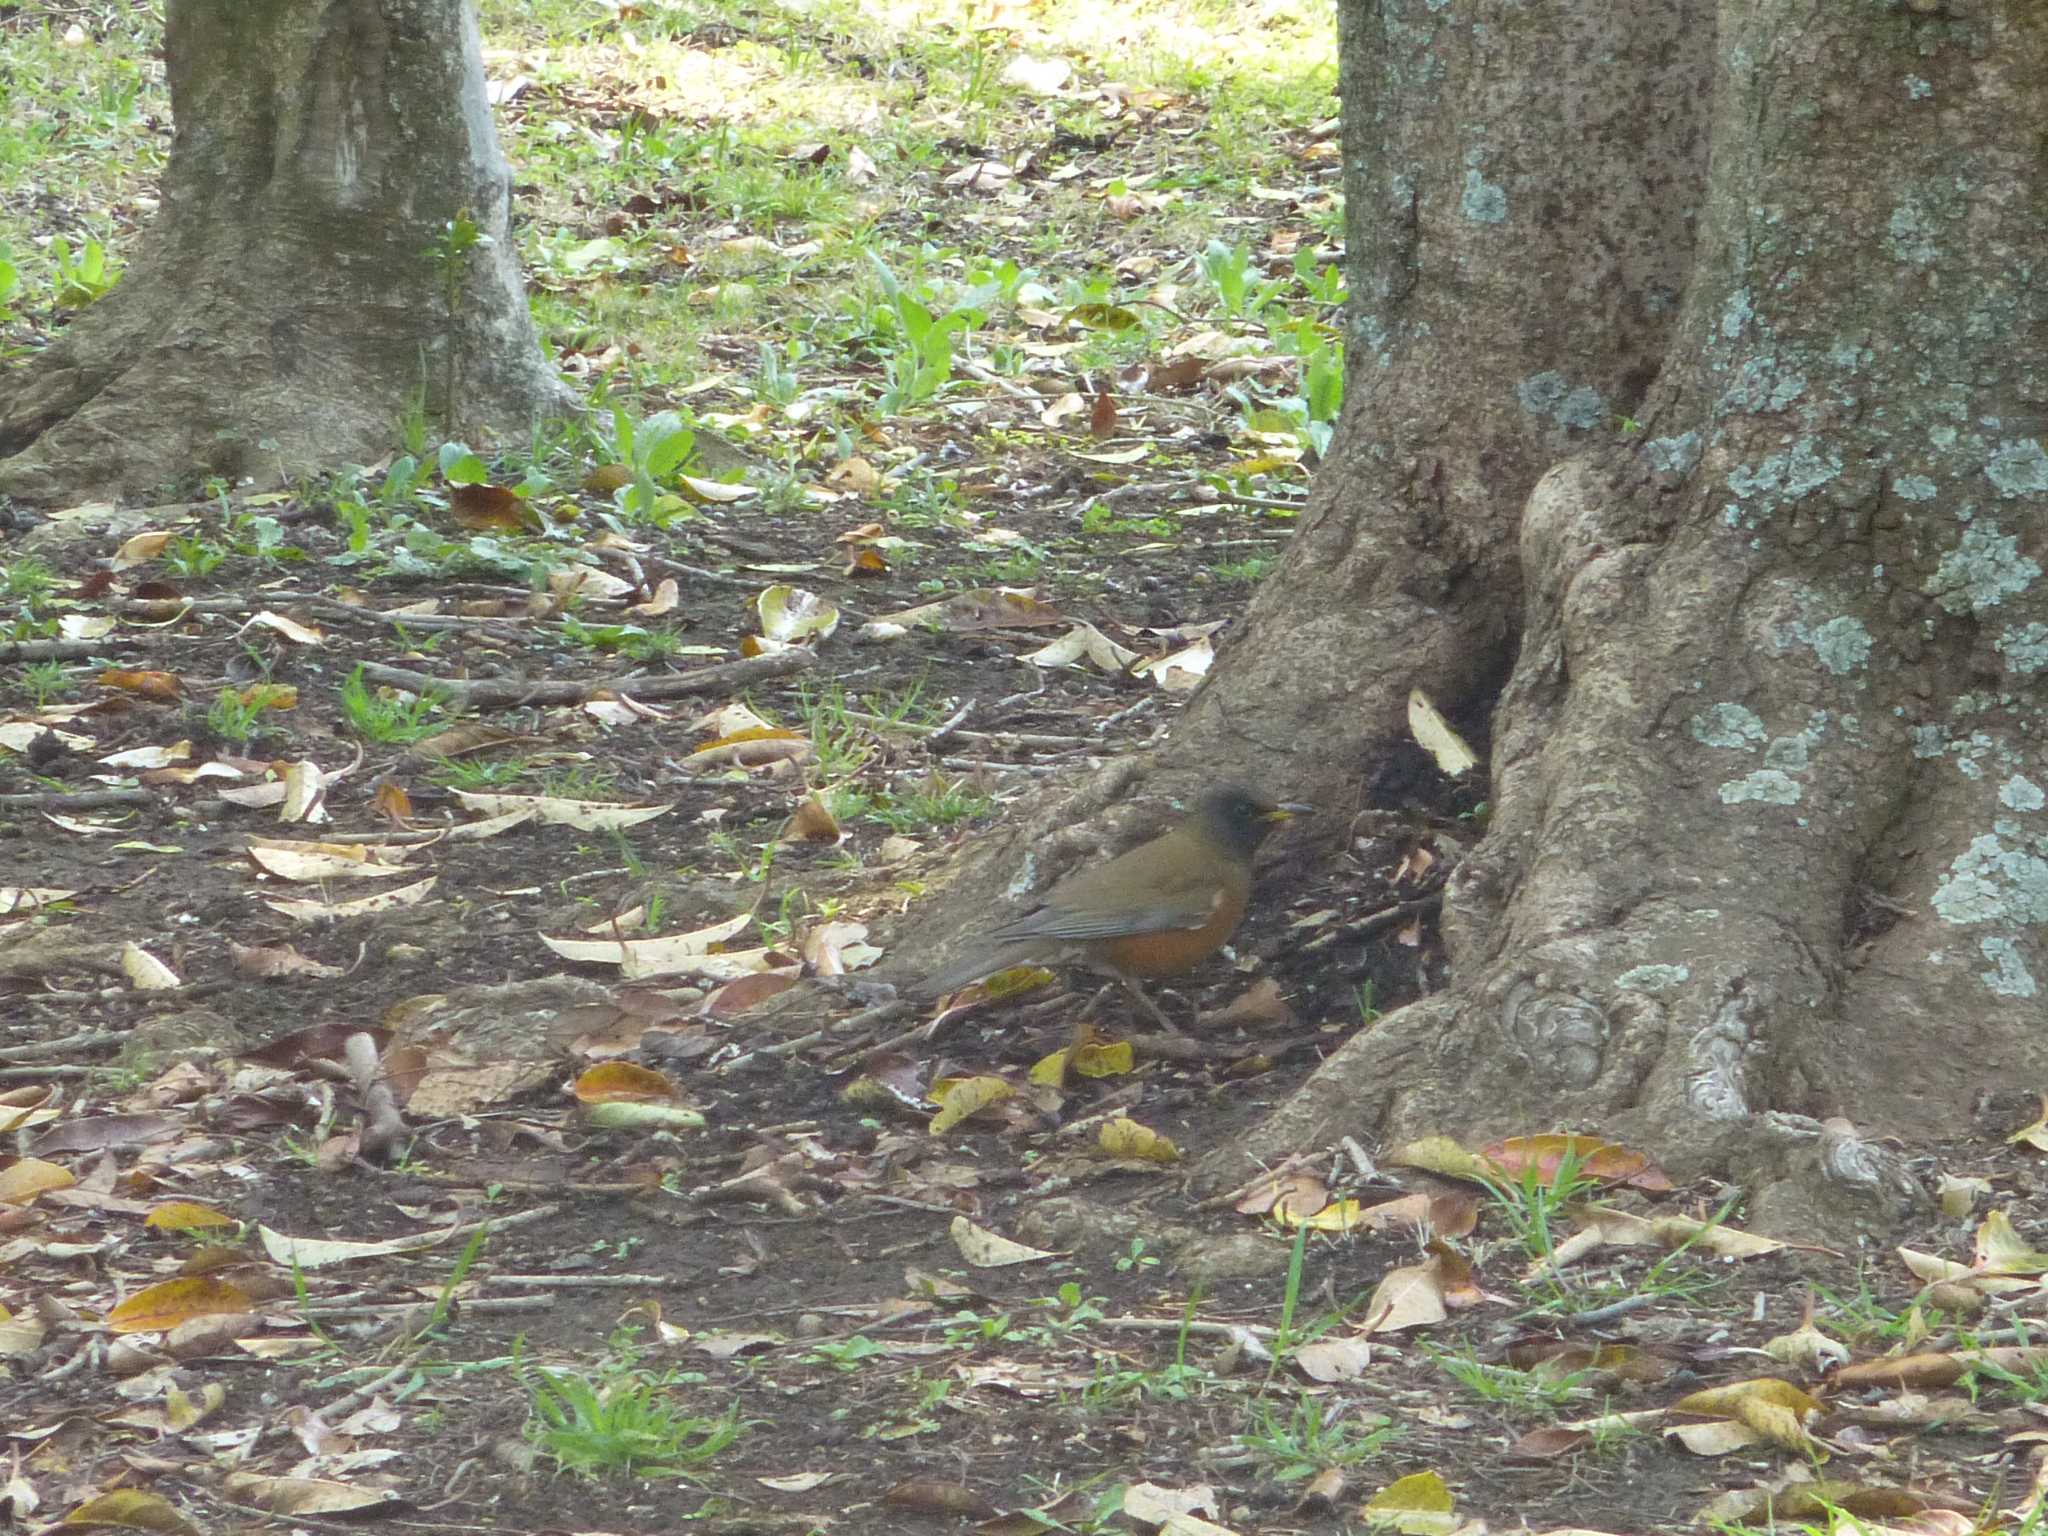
(289, 301)
(1771, 837)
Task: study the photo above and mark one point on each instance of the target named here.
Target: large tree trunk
(1520, 180)
(1770, 836)
(1770, 841)
(297, 291)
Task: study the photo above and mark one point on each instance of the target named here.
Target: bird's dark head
(1233, 817)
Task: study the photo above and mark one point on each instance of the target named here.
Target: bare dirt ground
(795, 1263)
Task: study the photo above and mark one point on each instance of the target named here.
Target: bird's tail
(972, 968)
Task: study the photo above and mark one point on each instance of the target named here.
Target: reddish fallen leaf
(617, 1082)
(487, 508)
(933, 1496)
(157, 687)
(1549, 1443)
(1595, 1159)
(736, 997)
(317, 1042)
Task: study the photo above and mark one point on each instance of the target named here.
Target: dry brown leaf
(1411, 1296)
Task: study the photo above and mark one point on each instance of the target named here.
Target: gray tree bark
(1765, 663)
(288, 302)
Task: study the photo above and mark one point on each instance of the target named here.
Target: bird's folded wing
(1161, 913)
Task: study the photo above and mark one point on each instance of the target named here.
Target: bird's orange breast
(1170, 951)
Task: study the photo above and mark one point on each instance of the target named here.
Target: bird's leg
(1138, 995)
(1129, 984)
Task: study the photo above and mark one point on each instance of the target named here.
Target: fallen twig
(80, 799)
(66, 650)
(494, 693)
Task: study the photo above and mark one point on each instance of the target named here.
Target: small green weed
(970, 1327)
(1137, 1258)
(1314, 1437)
(234, 714)
(1097, 519)
(475, 773)
(920, 331)
(1248, 572)
(46, 681)
(1522, 1394)
(1362, 994)
(1321, 283)
(845, 1354)
(84, 278)
(622, 1422)
(193, 556)
(389, 718)
(1863, 1316)
(661, 446)
(1533, 1203)
(27, 579)
(936, 803)
(1240, 293)
(628, 640)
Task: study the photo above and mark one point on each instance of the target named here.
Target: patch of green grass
(27, 579)
(1316, 1435)
(477, 773)
(83, 133)
(235, 714)
(1019, 568)
(1863, 1316)
(2028, 1385)
(387, 717)
(936, 803)
(1533, 1202)
(1098, 519)
(580, 781)
(1520, 1394)
(629, 640)
(839, 743)
(754, 863)
(622, 1422)
(45, 682)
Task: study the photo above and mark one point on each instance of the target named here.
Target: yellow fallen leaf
(959, 1098)
(163, 1307)
(185, 1216)
(1127, 1138)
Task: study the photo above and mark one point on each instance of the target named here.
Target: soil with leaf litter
(225, 1055)
(804, 1275)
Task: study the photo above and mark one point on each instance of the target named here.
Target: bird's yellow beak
(1285, 809)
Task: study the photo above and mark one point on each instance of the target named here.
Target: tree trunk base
(332, 255)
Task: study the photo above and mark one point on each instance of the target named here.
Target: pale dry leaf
(583, 815)
(290, 628)
(1436, 736)
(384, 901)
(145, 972)
(1083, 641)
(1408, 1297)
(989, 1250)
